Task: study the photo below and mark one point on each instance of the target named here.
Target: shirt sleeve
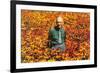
(65, 36)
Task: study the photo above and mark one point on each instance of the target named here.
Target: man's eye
(59, 22)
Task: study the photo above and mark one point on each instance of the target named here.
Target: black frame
(13, 35)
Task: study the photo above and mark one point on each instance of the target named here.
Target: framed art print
(52, 36)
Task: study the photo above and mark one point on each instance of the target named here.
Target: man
(57, 35)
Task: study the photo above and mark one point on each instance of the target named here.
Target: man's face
(59, 22)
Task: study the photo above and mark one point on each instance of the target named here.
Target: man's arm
(64, 36)
(49, 39)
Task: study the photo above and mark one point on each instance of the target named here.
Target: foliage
(34, 36)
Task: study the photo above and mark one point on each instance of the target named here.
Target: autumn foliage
(34, 36)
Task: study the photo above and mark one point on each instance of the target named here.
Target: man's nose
(59, 23)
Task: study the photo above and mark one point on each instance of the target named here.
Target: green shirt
(57, 36)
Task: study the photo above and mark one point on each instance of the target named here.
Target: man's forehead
(59, 18)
